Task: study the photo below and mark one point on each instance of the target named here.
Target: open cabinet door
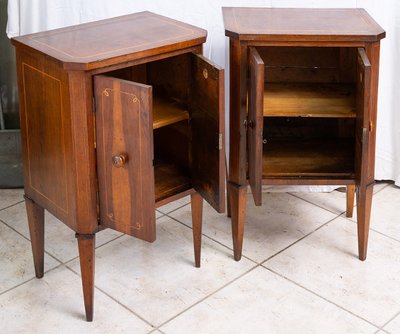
(124, 131)
(363, 115)
(207, 131)
(255, 123)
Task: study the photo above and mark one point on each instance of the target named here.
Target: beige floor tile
(262, 302)
(326, 262)
(54, 304)
(174, 205)
(159, 280)
(385, 216)
(393, 327)
(10, 196)
(334, 201)
(60, 240)
(280, 221)
(16, 262)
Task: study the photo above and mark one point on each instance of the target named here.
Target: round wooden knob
(119, 160)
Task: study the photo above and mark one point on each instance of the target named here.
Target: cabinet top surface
(90, 44)
(301, 24)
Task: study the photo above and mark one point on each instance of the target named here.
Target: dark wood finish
(238, 214)
(255, 123)
(309, 100)
(321, 75)
(103, 43)
(301, 24)
(170, 180)
(308, 158)
(125, 164)
(112, 125)
(36, 232)
(207, 129)
(350, 192)
(197, 218)
(86, 246)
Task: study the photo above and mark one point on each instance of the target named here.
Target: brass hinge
(220, 141)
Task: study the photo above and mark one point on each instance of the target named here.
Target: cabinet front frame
(238, 174)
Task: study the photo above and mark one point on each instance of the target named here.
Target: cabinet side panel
(46, 135)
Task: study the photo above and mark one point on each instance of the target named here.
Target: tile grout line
(117, 301)
(210, 238)
(317, 205)
(29, 240)
(389, 321)
(11, 205)
(298, 240)
(167, 213)
(319, 296)
(372, 229)
(31, 279)
(209, 295)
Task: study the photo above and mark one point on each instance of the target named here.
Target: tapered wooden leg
(350, 191)
(36, 229)
(364, 201)
(228, 199)
(228, 203)
(197, 222)
(86, 245)
(238, 212)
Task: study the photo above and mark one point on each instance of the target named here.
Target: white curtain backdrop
(28, 16)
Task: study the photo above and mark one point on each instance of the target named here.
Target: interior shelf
(169, 180)
(167, 112)
(309, 100)
(308, 158)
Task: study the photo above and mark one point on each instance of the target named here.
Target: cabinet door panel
(207, 131)
(363, 115)
(255, 123)
(125, 156)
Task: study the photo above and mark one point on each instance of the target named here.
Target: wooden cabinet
(118, 117)
(303, 98)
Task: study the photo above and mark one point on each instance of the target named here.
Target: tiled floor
(299, 272)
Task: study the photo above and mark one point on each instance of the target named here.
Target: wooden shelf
(333, 158)
(167, 112)
(309, 100)
(169, 180)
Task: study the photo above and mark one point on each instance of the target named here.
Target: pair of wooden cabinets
(123, 115)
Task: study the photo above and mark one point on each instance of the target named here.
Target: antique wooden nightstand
(118, 117)
(303, 104)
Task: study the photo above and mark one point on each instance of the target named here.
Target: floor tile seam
(214, 240)
(209, 295)
(65, 262)
(378, 327)
(389, 321)
(115, 300)
(11, 205)
(384, 187)
(319, 206)
(189, 307)
(30, 279)
(173, 210)
(298, 240)
(372, 229)
(27, 239)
